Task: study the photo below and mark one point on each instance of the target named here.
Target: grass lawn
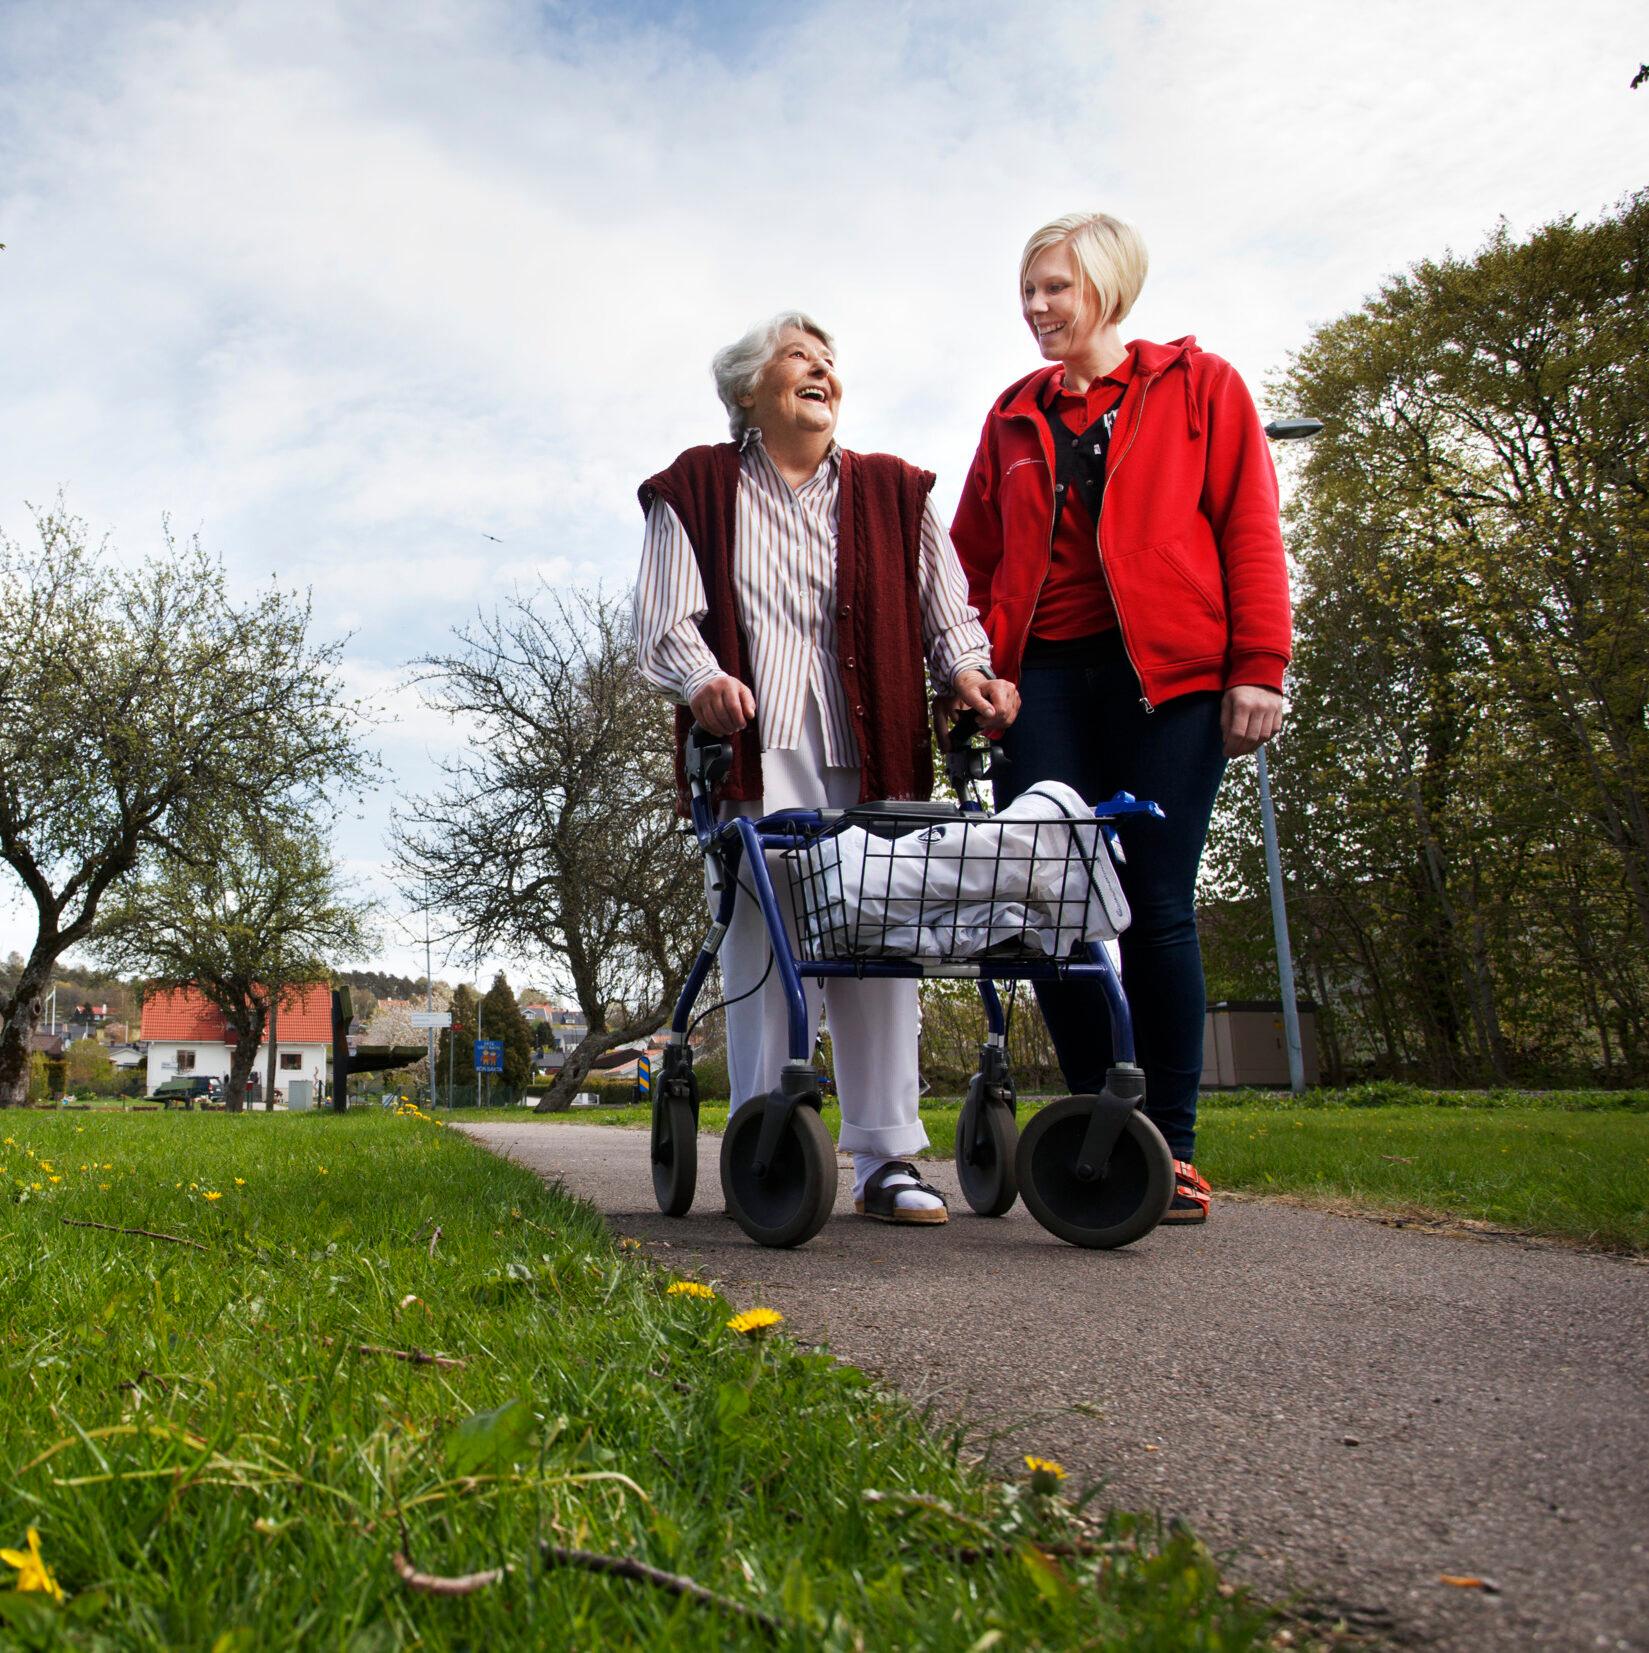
(223, 1448)
(1574, 1165)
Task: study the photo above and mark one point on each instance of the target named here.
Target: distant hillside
(381, 985)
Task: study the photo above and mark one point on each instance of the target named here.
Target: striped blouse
(784, 580)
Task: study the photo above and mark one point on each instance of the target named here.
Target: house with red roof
(186, 1034)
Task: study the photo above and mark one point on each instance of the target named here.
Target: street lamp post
(1283, 430)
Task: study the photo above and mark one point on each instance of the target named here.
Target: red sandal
(1192, 1195)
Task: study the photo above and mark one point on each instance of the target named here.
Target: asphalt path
(1345, 1411)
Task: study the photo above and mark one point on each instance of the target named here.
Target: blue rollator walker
(875, 895)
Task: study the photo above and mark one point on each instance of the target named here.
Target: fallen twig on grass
(434, 1240)
(434, 1584)
(147, 1233)
(591, 1561)
(626, 1566)
(415, 1357)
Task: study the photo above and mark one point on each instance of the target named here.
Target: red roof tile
(305, 1016)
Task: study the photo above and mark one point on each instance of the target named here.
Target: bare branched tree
(555, 837)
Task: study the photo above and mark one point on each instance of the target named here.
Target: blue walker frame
(727, 845)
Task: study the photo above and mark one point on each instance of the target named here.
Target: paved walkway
(1350, 1410)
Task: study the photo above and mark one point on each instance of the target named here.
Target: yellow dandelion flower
(320, 1170)
(37, 1187)
(85, 1167)
(107, 1166)
(104, 1187)
(193, 1186)
(54, 1179)
(687, 1288)
(11, 1142)
(754, 1321)
(625, 1243)
(1045, 1473)
(213, 1194)
(45, 1165)
(32, 1571)
(240, 1182)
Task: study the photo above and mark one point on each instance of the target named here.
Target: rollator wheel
(986, 1169)
(676, 1158)
(791, 1203)
(1128, 1199)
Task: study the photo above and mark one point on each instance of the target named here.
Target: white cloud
(351, 286)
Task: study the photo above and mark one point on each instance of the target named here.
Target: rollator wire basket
(877, 883)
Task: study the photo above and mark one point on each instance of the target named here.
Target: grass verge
(226, 1428)
(1570, 1165)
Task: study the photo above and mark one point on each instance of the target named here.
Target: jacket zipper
(1048, 563)
(1099, 545)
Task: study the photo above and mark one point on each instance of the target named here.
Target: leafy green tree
(86, 1063)
(1462, 790)
(243, 917)
(501, 1019)
(138, 705)
(455, 1049)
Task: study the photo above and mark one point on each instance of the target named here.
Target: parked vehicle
(187, 1088)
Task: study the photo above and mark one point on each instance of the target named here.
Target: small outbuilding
(1243, 1043)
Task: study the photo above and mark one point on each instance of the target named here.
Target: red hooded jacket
(1188, 533)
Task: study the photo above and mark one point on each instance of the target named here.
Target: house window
(185, 1061)
(291, 1061)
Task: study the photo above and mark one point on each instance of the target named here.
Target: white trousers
(873, 1024)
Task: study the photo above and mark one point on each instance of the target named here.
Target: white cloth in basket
(1035, 880)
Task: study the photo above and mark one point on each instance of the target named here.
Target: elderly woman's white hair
(738, 366)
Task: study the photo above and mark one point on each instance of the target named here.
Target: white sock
(907, 1196)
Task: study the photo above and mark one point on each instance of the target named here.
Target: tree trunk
(28, 1004)
(243, 1061)
(582, 1058)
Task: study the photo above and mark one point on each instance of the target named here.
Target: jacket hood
(1021, 398)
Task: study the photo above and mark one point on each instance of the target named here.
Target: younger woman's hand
(994, 699)
(1249, 717)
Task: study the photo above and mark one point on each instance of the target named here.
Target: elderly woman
(790, 591)
(1119, 530)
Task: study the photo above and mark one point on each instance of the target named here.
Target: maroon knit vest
(878, 611)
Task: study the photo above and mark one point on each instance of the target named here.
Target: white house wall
(212, 1061)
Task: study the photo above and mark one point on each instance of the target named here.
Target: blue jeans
(1084, 725)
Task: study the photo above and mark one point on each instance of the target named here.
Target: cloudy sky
(347, 288)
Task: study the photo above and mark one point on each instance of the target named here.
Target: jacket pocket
(1169, 566)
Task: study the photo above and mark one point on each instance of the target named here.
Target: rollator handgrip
(964, 761)
(709, 757)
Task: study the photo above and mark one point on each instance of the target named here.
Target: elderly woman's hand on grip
(723, 706)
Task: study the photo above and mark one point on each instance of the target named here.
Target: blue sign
(489, 1055)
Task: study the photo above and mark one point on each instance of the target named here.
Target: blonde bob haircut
(1110, 257)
